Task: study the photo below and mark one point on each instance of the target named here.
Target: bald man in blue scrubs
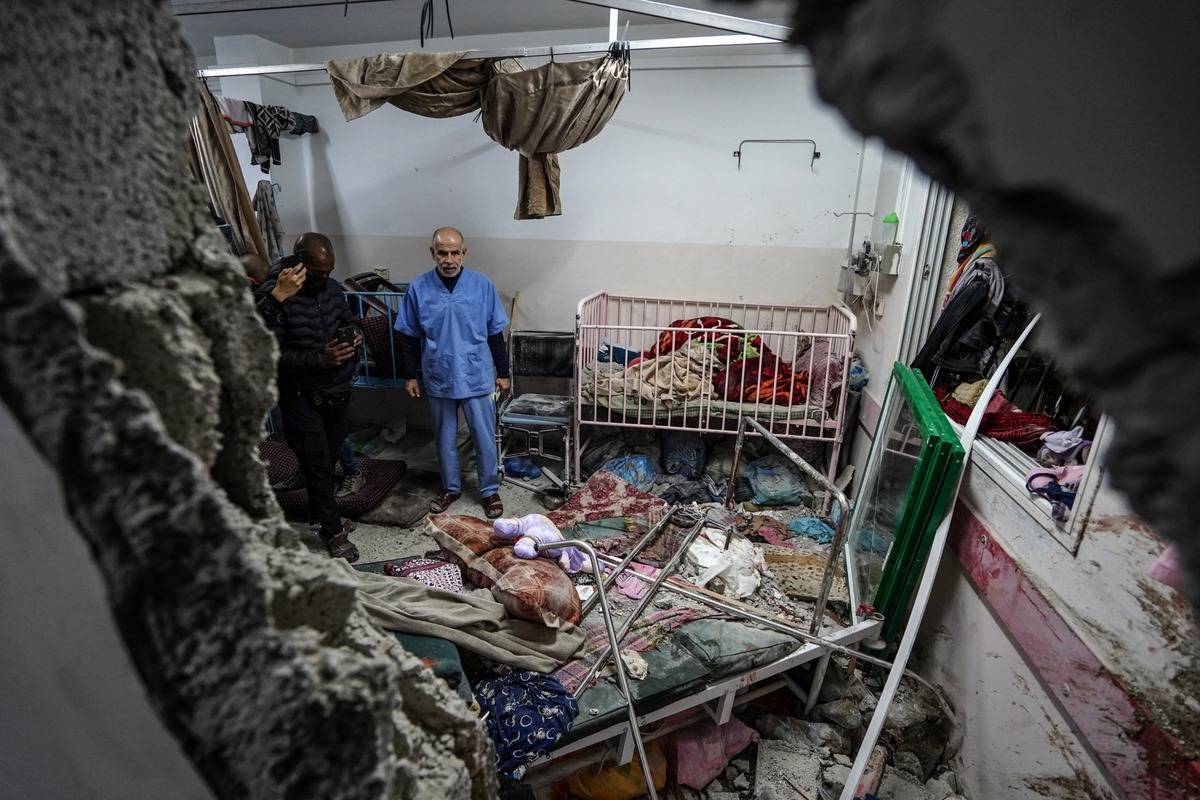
(452, 320)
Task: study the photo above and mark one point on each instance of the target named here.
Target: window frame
(1002, 462)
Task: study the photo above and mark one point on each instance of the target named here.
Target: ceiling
(399, 20)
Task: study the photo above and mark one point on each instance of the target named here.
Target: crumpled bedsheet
(674, 378)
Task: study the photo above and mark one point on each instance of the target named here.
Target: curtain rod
(511, 52)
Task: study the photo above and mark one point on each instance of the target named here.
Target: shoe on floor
(340, 546)
(351, 482)
(492, 506)
(443, 501)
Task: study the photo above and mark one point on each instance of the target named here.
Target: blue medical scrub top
(453, 328)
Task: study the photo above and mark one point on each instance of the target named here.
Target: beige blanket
(474, 621)
(682, 375)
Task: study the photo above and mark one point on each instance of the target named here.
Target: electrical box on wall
(889, 259)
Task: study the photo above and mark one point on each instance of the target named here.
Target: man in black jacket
(316, 372)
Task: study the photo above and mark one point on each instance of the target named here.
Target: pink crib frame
(636, 322)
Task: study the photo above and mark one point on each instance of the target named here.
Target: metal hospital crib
(614, 331)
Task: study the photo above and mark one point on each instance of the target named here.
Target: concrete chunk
(785, 769)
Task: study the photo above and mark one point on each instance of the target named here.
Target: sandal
(492, 506)
(340, 546)
(443, 501)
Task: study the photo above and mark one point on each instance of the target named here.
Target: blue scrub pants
(481, 419)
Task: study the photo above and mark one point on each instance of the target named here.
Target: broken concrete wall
(1062, 124)
(131, 354)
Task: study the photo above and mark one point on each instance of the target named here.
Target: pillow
(464, 538)
(535, 589)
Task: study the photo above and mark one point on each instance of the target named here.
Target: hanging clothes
(214, 162)
(542, 112)
(268, 220)
(236, 114)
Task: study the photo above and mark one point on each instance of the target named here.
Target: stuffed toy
(536, 528)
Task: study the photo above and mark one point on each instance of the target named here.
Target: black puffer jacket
(303, 324)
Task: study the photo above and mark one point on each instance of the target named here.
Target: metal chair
(538, 420)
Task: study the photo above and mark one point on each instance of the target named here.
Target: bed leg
(625, 749)
(814, 690)
(725, 707)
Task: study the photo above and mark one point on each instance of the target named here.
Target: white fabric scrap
(736, 572)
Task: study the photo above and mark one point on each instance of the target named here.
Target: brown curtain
(430, 84)
(537, 112)
(544, 111)
(214, 162)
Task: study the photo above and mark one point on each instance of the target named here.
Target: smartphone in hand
(345, 335)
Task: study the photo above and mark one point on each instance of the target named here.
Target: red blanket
(763, 379)
(1022, 428)
(719, 332)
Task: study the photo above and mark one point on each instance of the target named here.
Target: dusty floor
(384, 542)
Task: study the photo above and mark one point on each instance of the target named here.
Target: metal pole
(655, 583)
(739, 610)
(737, 458)
(645, 540)
(512, 52)
(614, 644)
(695, 16)
(839, 533)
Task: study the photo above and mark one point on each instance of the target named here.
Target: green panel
(908, 481)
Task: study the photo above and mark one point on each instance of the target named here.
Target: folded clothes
(1064, 448)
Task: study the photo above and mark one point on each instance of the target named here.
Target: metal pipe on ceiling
(695, 16)
(516, 52)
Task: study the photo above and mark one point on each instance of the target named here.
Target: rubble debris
(817, 734)
(898, 785)
(844, 713)
(908, 761)
(938, 789)
(786, 770)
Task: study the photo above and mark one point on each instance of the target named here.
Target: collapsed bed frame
(813, 340)
(718, 696)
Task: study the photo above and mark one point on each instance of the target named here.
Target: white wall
(1015, 742)
(655, 204)
(74, 718)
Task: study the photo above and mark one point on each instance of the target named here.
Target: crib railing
(736, 376)
(379, 359)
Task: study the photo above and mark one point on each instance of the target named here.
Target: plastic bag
(620, 783)
(637, 470)
(683, 454)
(735, 572)
(776, 482)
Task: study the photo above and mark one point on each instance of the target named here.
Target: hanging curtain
(268, 220)
(214, 162)
(430, 84)
(537, 112)
(542, 112)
